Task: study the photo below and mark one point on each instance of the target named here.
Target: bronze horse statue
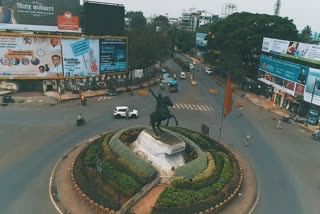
(161, 113)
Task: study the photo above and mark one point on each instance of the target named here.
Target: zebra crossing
(102, 98)
(193, 107)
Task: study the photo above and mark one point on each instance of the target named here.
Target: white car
(208, 70)
(182, 75)
(122, 111)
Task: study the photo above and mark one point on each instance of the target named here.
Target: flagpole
(228, 95)
(222, 116)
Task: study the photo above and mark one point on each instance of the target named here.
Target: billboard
(314, 75)
(30, 57)
(291, 48)
(285, 76)
(200, 39)
(103, 19)
(81, 57)
(113, 55)
(40, 15)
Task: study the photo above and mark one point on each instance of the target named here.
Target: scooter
(315, 136)
(7, 99)
(80, 122)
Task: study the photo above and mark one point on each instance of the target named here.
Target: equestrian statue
(161, 112)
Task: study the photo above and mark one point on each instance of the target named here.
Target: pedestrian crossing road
(193, 107)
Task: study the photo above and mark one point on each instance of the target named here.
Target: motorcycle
(315, 136)
(7, 99)
(285, 119)
(81, 122)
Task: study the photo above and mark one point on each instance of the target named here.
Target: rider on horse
(161, 108)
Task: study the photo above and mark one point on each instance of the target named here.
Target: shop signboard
(80, 57)
(30, 57)
(40, 15)
(113, 55)
(291, 49)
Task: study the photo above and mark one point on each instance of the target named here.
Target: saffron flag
(228, 98)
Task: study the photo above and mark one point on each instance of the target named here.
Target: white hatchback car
(122, 111)
(208, 70)
(182, 75)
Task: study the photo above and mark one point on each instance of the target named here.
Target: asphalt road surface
(33, 138)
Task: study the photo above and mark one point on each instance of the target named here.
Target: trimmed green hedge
(120, 149)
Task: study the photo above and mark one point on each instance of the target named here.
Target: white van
(182, 75)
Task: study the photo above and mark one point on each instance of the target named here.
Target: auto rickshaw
(173, 86)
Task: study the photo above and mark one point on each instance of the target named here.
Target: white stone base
(164, 157)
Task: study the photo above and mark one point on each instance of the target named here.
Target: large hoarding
(40, 15)
(113, 55)
(291, 48)
(200, 39)
(103, 19)
(314, 74)
(283, 75)
(81, 57)
(30, 57)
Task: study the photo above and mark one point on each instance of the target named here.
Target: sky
(303, 12)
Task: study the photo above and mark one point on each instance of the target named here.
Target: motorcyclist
(317, 132)
(80, 117)
(83, 99)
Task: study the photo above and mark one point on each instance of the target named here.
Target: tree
(137, 20)
(242, 34)
(306, 35)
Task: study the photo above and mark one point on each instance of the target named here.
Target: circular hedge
(110, 173)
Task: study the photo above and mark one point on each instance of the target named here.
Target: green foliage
(174, 197)
(130, 135)
(91, 156)
(123, 151)
(306, 35)
(129, 168)
(239, 38)
(137, 20)
(200, 180)
(122, 182)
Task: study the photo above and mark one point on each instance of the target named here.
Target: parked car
(121, 111)
(208, 70)
(182, 75)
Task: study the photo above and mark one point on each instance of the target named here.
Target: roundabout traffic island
(119, 169)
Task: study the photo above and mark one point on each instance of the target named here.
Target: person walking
(127, 113)
(279, 124)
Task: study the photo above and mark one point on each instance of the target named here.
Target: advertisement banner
(40, 15)
(113, 55)
(200, 39)
(30, 57)
(313, 77)
(291, 48)
(80, 57)
(283, 69)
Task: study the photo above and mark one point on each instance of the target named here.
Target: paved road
(33, 138)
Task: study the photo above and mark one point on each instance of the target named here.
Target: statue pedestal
(164, 152)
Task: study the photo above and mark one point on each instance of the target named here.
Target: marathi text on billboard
(81, 57)
(30, 57)
(291, 48)
(113, 55)
(40, 15)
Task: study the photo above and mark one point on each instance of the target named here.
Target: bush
(91, 156)
(120, 181)
(129, 136)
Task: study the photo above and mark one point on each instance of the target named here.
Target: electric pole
(277, 8)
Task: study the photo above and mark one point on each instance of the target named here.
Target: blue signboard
(200, 39)
(81, 47)
(113, 55)
(287, 70)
